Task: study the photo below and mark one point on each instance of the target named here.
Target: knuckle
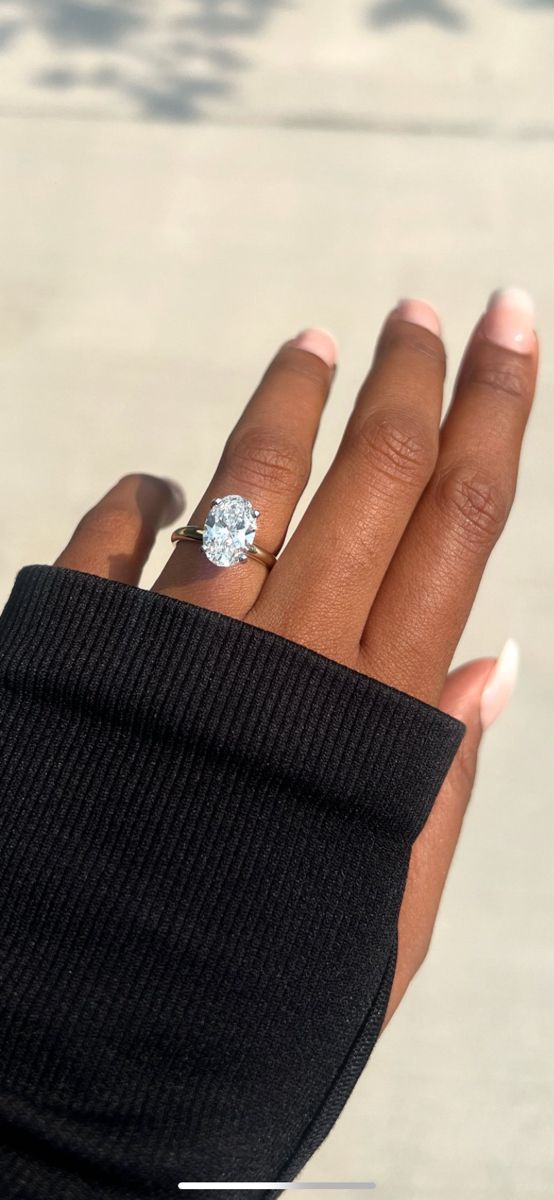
(397, 448)
(501, 377)
(267, 459)
(475, 505)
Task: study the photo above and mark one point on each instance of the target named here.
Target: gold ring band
(190, 533)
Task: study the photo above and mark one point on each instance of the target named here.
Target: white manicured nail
(510, 320)
(500, 684)
(319, 342)
(418, 312)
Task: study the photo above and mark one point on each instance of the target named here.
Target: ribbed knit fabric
(205, 831)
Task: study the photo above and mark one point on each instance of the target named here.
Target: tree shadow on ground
(385, 13)
(167, 60)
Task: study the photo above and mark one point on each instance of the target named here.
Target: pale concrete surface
(175, 200)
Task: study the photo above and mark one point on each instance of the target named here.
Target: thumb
(476, 694)
(461, 697)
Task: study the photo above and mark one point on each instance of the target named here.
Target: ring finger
(267, 459)
(429, 589)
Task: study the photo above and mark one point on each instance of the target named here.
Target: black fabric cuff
(174, 670)
(205, 831)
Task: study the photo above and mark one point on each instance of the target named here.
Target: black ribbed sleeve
(204, 837)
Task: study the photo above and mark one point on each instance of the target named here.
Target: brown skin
(403, 522)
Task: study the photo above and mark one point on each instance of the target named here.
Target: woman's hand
(382, 570)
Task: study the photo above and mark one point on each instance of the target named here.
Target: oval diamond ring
(228, 533)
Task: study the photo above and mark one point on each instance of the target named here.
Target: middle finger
(322, 587)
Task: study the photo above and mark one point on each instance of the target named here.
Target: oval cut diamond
(229, 530)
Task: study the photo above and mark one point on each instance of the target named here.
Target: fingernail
(500, 684)
(510, 320)
(177, 494)
(418, 312)
(319, 342)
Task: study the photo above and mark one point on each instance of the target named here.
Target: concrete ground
(183, 185)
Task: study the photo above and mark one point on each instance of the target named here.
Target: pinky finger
(115, 537)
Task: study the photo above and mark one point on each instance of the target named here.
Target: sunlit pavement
(180, 191)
